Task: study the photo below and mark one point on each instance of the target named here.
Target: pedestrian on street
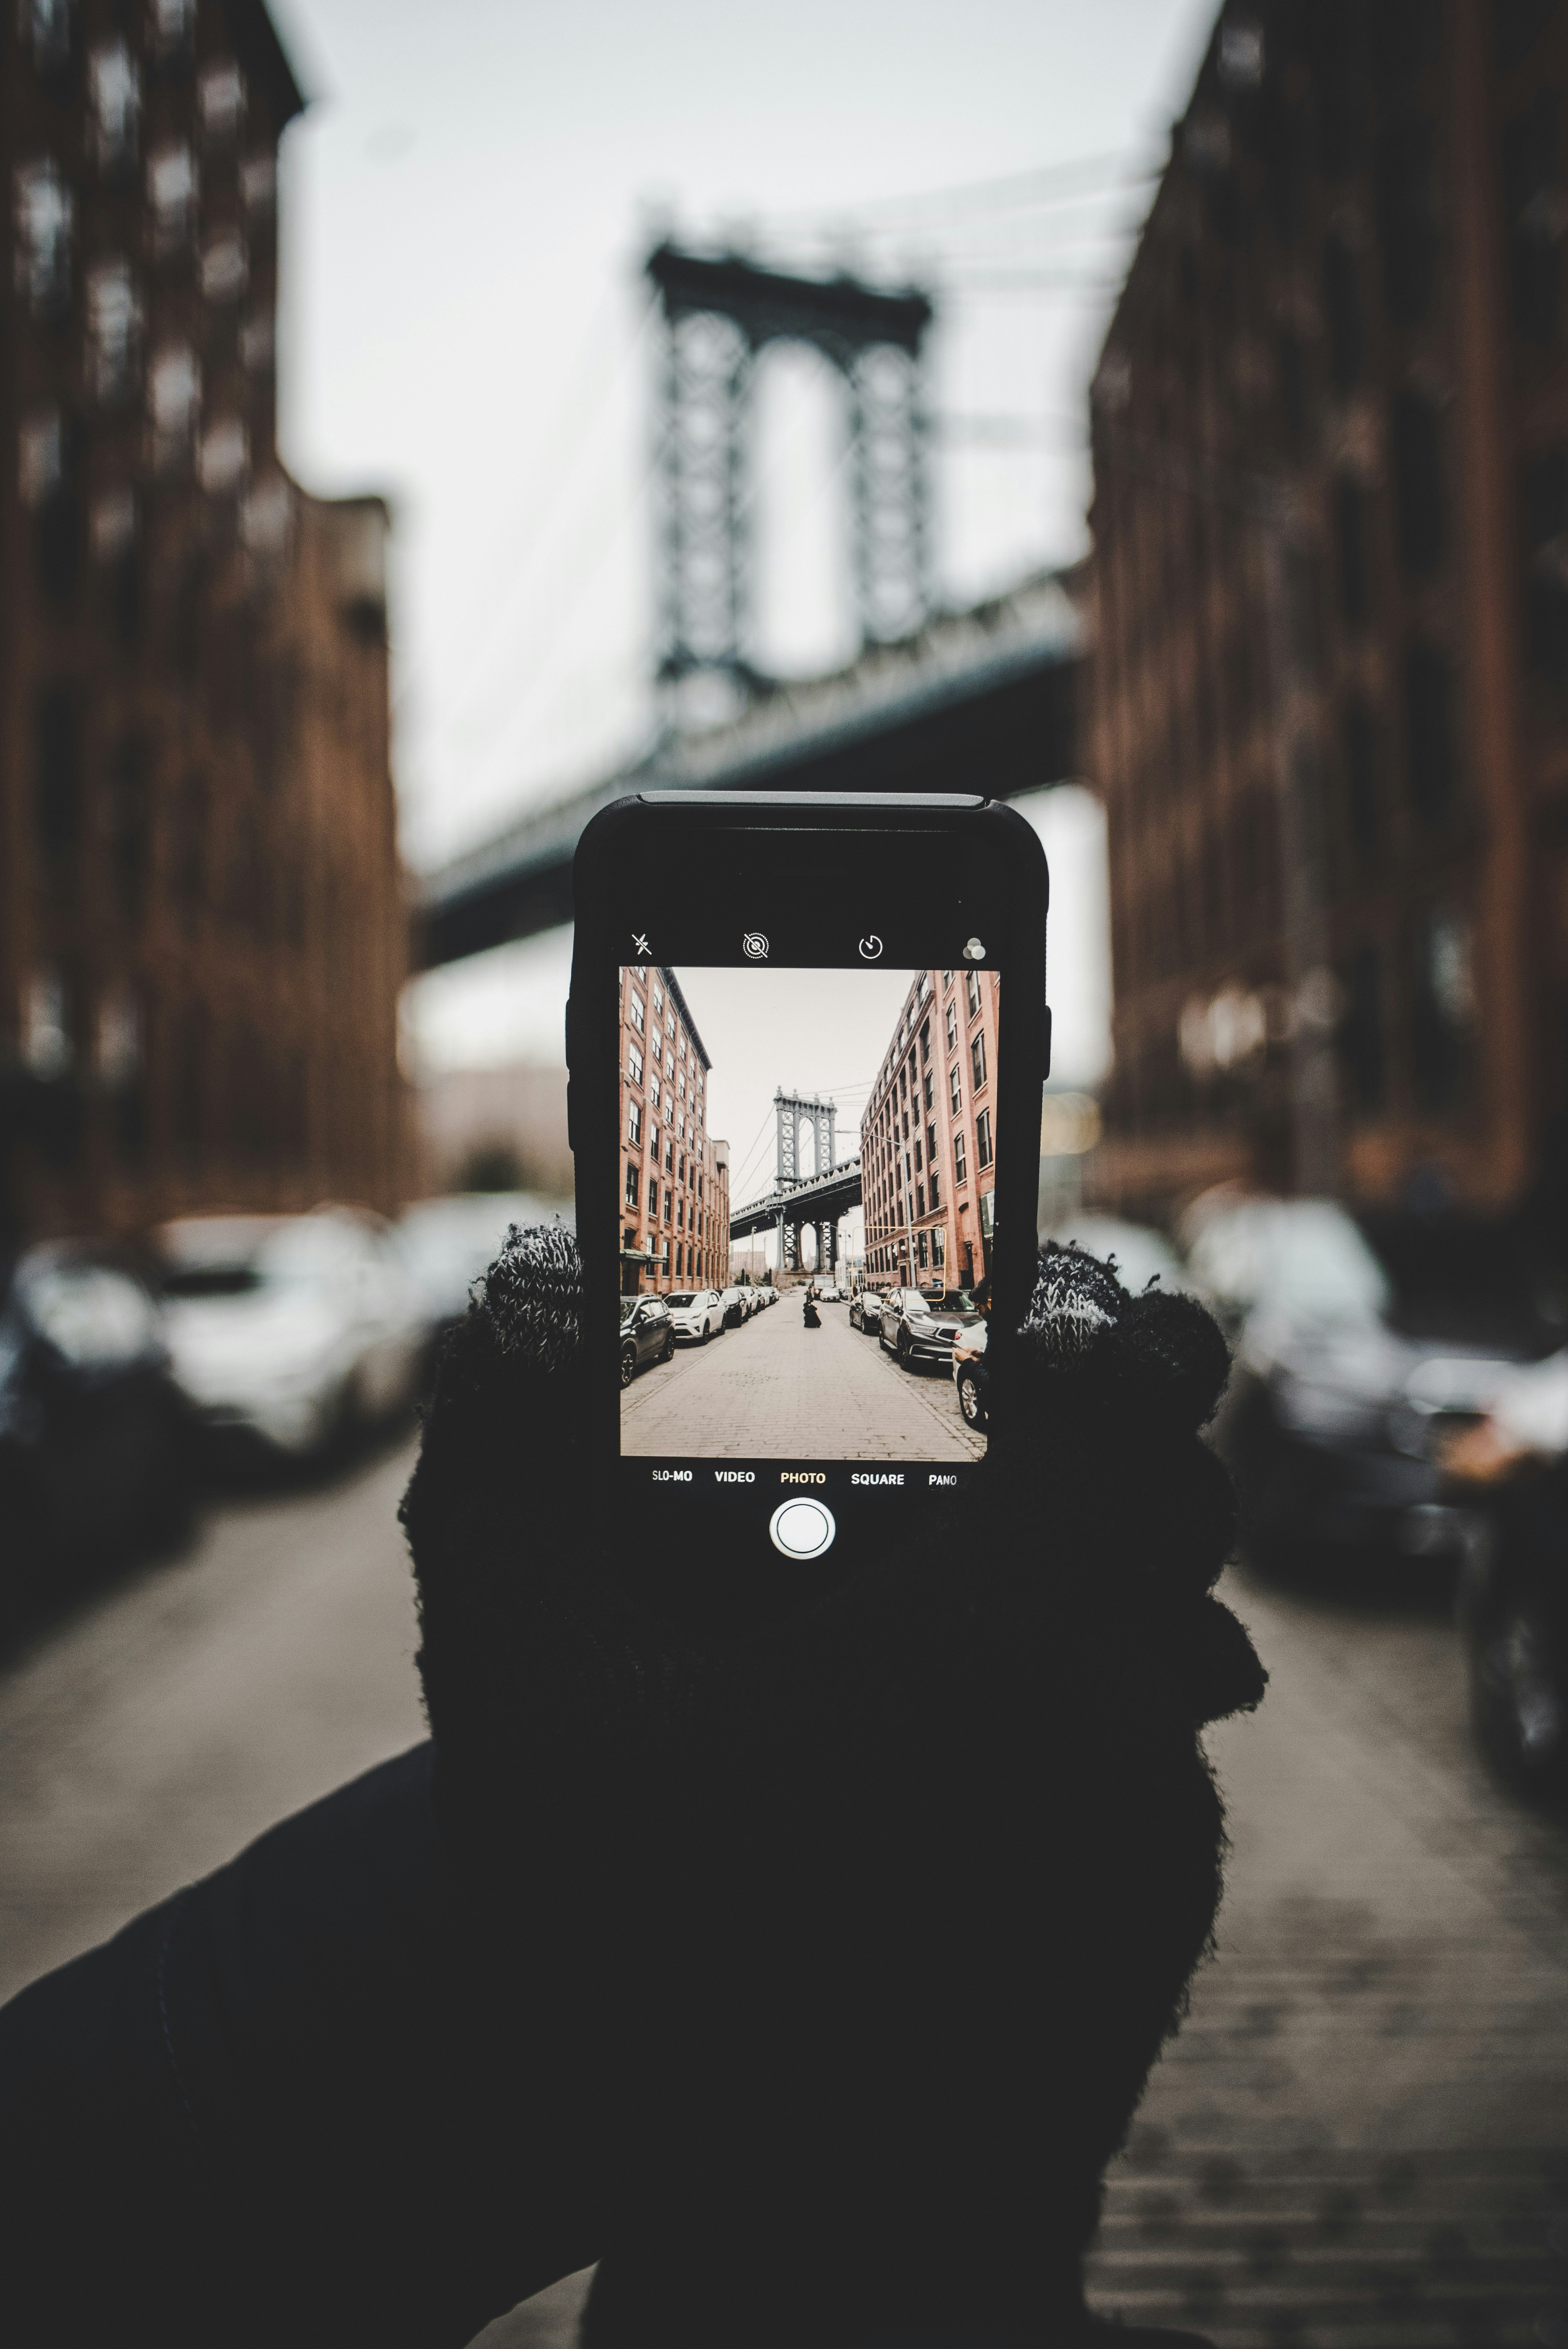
(800, 1962)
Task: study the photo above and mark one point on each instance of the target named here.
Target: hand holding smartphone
(807, 1037)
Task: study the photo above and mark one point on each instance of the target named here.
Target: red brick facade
(928, 1136)
(674, 1177)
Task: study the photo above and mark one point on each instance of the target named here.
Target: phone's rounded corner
(1021, 840)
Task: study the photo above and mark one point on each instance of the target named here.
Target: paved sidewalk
(1360, 2136)
(774, 1390)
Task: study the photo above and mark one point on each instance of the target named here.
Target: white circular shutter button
(802, 1528)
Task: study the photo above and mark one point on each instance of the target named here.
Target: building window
(634, 1122)
(632, 1180)
(972, 991)
(171, 188)
(226, 267)
(658, 995)
(935, 1195)
(45, 212)
(921, 1244)
(653, 1093)
(977, 1062)
(47, 1044)
(1418, 465)
(258, 185)
(954, 1089)
(952, 1026)
(1443, 1010)
(960, 1159)
(634, 1063)
(669, 1205)
(114, 329)
(220, 97)
(982, 1139)
(115, 88)
(174, 23)
(173, 398)
(636, 1010)
(938, 1239)
(653, 1195)
(924, 1041)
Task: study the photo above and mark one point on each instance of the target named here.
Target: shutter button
(802, 1528)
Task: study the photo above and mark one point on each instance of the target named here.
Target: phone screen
(806, 1220)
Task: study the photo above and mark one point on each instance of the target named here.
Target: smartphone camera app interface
(806, 1221)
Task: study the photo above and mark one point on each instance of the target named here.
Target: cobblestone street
(1356, 2141)
(774, 1390)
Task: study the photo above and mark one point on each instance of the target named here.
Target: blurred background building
(202, 928)
(1330, 518)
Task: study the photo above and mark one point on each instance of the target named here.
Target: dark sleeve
(296, 2102)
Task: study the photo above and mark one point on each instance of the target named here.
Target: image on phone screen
(807, 1210)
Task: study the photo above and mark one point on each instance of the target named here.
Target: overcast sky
(466, 206)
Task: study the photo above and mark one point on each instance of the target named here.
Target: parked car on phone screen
(734, 1303)
(1346, 1383)
(648, 1334)
(697, 1313)
(94, 1450)
(971, 1372)
(291, 1332)
(920, 1331)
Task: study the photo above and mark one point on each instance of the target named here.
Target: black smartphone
(807, 1037)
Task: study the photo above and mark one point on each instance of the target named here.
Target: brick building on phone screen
(675, 1178)
(928, 1137)
(1330, 699)
(202, 924)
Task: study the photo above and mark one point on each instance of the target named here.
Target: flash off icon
(754, 946)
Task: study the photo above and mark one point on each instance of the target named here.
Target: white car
(697, 1313)
(292, 1329)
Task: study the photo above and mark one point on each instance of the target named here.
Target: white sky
(466, 206)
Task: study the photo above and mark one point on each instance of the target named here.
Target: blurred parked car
(918, 1330)
(1335, 1412)
(291, 1331)
(695, 1313)
(648, 1334)
(448, 1242)
(971, 1372)
(94, 1455)
(1141, 1254)
(1511, 1470)
(866, 1311)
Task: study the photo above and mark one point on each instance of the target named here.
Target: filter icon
(754, 946)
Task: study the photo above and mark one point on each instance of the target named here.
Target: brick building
(675, 1177)
(202, 931)
(1330, 707)
(928, 1139)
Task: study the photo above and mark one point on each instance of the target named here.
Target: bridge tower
(719, 313)
(791, 1113)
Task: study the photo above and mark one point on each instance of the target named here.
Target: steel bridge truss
(719, 315)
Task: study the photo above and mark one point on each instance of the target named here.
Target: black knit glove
(867, 1913)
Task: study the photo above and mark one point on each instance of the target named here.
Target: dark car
(972, 1374)
(648, 1334)
(920, 1330)
(1513, 1617)
(1346, 1383)
(95, 1452)
(866, 1311)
